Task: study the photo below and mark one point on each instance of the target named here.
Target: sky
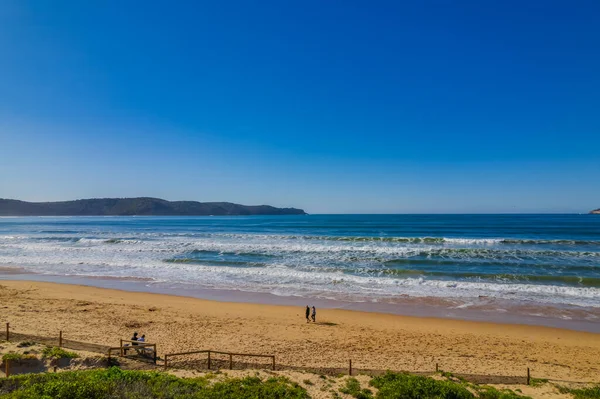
(330, 106)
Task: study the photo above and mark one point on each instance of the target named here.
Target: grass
(582, 393)
(58, 353)
(493, 393)
(537, 382)
(115, 383)
(12, 357)
(353, 389)
(17, 357)
(407, 386)
(352, 386)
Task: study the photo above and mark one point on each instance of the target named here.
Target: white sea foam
(309, 265)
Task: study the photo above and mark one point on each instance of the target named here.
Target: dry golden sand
(371, 340)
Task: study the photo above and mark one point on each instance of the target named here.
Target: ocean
(538, 266)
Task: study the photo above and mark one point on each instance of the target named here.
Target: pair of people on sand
(308, 314)
(140, 339)
(134, 342)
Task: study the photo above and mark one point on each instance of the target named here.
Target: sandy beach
(371, 340)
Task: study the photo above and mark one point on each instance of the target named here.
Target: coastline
(482, 310)
(372, 340)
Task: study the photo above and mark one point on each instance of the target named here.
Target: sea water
(486, 261)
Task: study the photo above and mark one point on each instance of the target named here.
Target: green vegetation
(407, 386)
(115, 383)
(17, 357)
(58, 353)
(352, 388)
(12, 357)
(536, 382)
(583, 393)
(136, 206)
(493, 393)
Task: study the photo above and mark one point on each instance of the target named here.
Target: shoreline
(481, 310)
(372, 340)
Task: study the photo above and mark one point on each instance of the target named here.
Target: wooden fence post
(155, 354)
(437, 367)
(528, 376)
(209, 360)
(273, 363)
(7, 331)
(60, 339)
(6, 367)
(230, 361)
(121, 348)
(166, 361)
(350, 368)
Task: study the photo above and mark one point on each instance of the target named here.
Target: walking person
(307, 314)
(314, 314)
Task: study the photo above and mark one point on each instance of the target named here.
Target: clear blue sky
(331, 106)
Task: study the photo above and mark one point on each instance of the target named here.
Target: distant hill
(595, 212)
(136, 206)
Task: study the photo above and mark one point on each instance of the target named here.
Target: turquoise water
(541, 259)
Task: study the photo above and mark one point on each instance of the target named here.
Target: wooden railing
(209, 352)
(139, 348)
(90, 347)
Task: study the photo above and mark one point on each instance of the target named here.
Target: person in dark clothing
(134, 338)
(314, 314)
(307, 314)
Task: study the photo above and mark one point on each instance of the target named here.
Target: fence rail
(137, 346)
(210, 351)
(59, 341)
(351, 369)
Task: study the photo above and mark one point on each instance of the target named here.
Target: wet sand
(371, 340)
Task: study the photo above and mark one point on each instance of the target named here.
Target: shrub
(493, 393)
(58, 353)
(537, 382)
(406, 386)
(586, 393)
(352, 388)
(12, 356)
(116, 383)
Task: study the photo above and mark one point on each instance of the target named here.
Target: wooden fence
(57, 340)
(140, 348)
(60, 341)
(209, 352)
